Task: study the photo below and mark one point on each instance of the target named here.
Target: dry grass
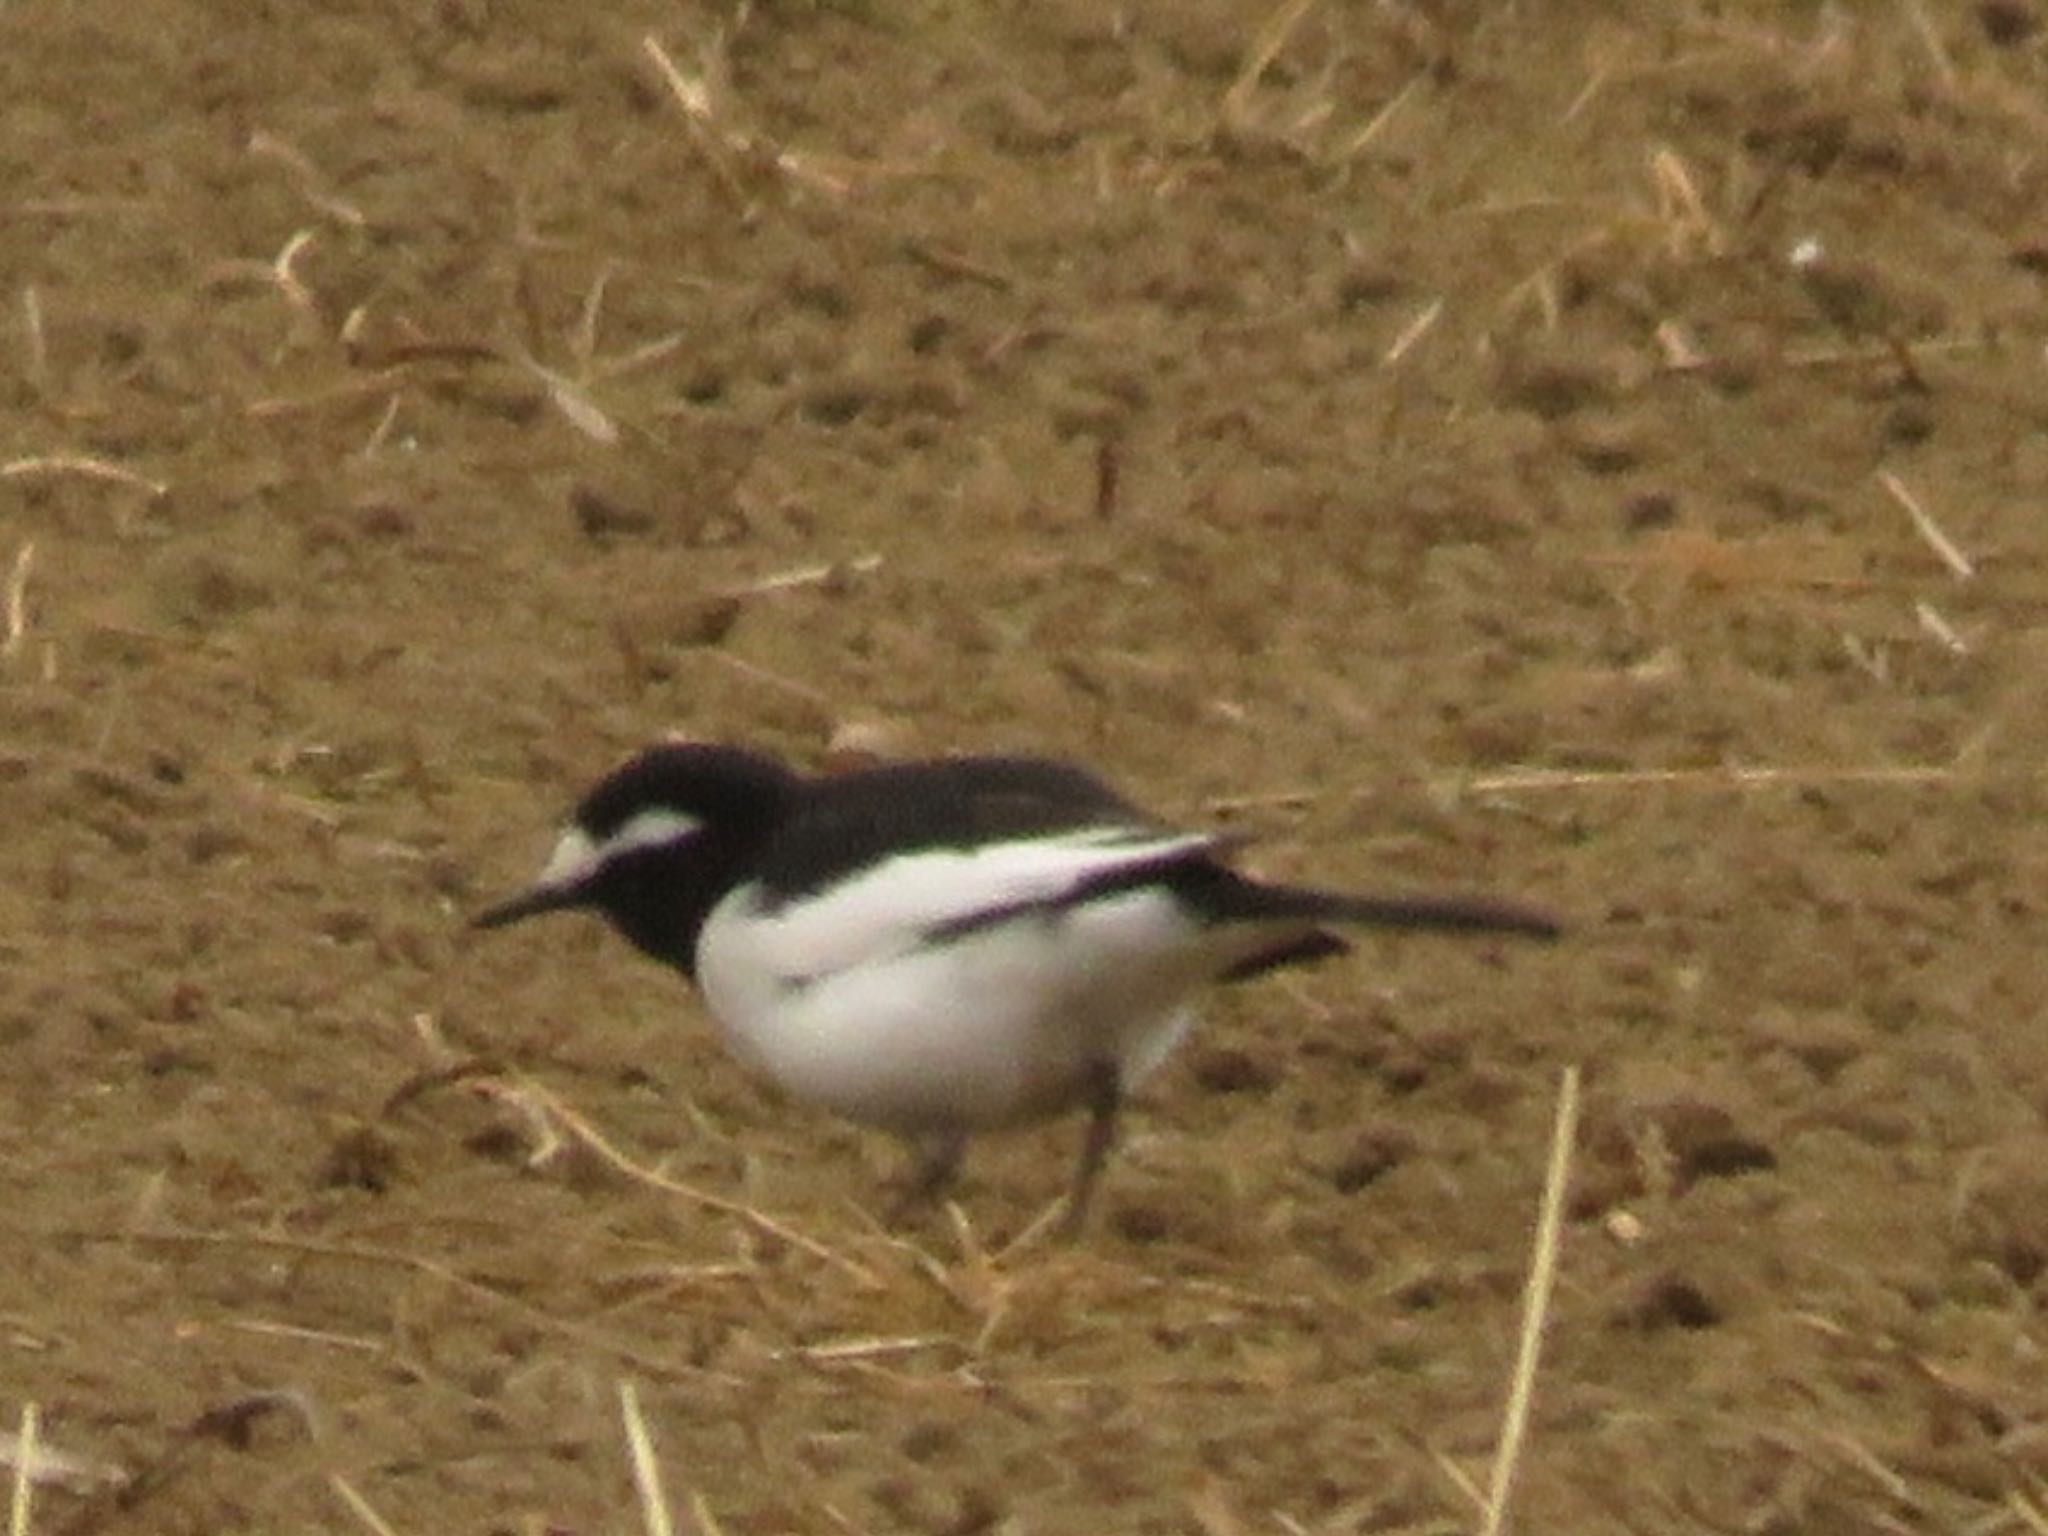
(360, 1507)
(314, 185)
(26, 1455)
(35, 1462)
(1519, 781)
(710, 111)
(1535, 1306)
(1925, 525)
(83, 464)
(1237, 110)
(654, 1510)
(551, 1125)
(17, 599)
(1245, 1350)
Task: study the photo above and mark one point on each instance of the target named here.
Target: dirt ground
(1595, 452)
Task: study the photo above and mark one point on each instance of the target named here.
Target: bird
(943, 947)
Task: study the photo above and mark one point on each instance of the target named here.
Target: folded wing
(937, 894)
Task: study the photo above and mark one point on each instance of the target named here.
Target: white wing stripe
(894, 905)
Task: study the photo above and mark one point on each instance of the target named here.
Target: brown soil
(1471, 449)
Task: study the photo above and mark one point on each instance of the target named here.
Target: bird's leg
(935, 1163)
(1105, 1100)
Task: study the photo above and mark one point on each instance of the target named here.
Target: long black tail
(1224, 893)
(1466, 914)
(1215, 889)
(1239, 899)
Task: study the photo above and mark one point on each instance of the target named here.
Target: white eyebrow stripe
(650, 829)
(578, 855)
(575, 856)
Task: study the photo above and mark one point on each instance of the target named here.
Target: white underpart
(577, 855)
(846, 999)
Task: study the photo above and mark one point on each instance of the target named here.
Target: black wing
(849, 822)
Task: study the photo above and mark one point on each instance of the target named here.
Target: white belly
(999, 1026)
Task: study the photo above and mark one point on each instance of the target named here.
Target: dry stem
(312, 185)
(369, 1253)
(582, 1130)
(1412, 332)
(1362, 140)
(79, 464)
(1923, 522)
(646, 1466)
(724, 144)
(17, 599)
(359, 1506)
(38, 342)
(24, 1473)
(37, 1461)
(2027, 1512)
(1540, 780)
(1535, 1304)
(1265, 48)
(809, 576)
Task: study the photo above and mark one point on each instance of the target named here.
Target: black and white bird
(946, 947)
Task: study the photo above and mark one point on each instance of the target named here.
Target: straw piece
(694, 98)
(582, 1130)
(700, 1511)
(275, 1330)
(1735, 776)
(17, 599)
(79, 464)
(654, 1513)
(1936, 624)
(2027, 1512)
(38, 342)
(572, 400)
(1923, 522)
(1681, 207)
(24, 1473)
(1412, 332)
(810, 576)
(1535, 1304)
(1362, 140)
(359, 1506)
(1265, 48)
(35, 1460)
(312, 184)
(368, 1253)
(862, 1349)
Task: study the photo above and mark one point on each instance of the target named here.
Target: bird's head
(657, 842)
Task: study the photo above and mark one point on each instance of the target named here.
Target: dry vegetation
(1592, 450)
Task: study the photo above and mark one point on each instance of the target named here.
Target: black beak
(542, 898)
